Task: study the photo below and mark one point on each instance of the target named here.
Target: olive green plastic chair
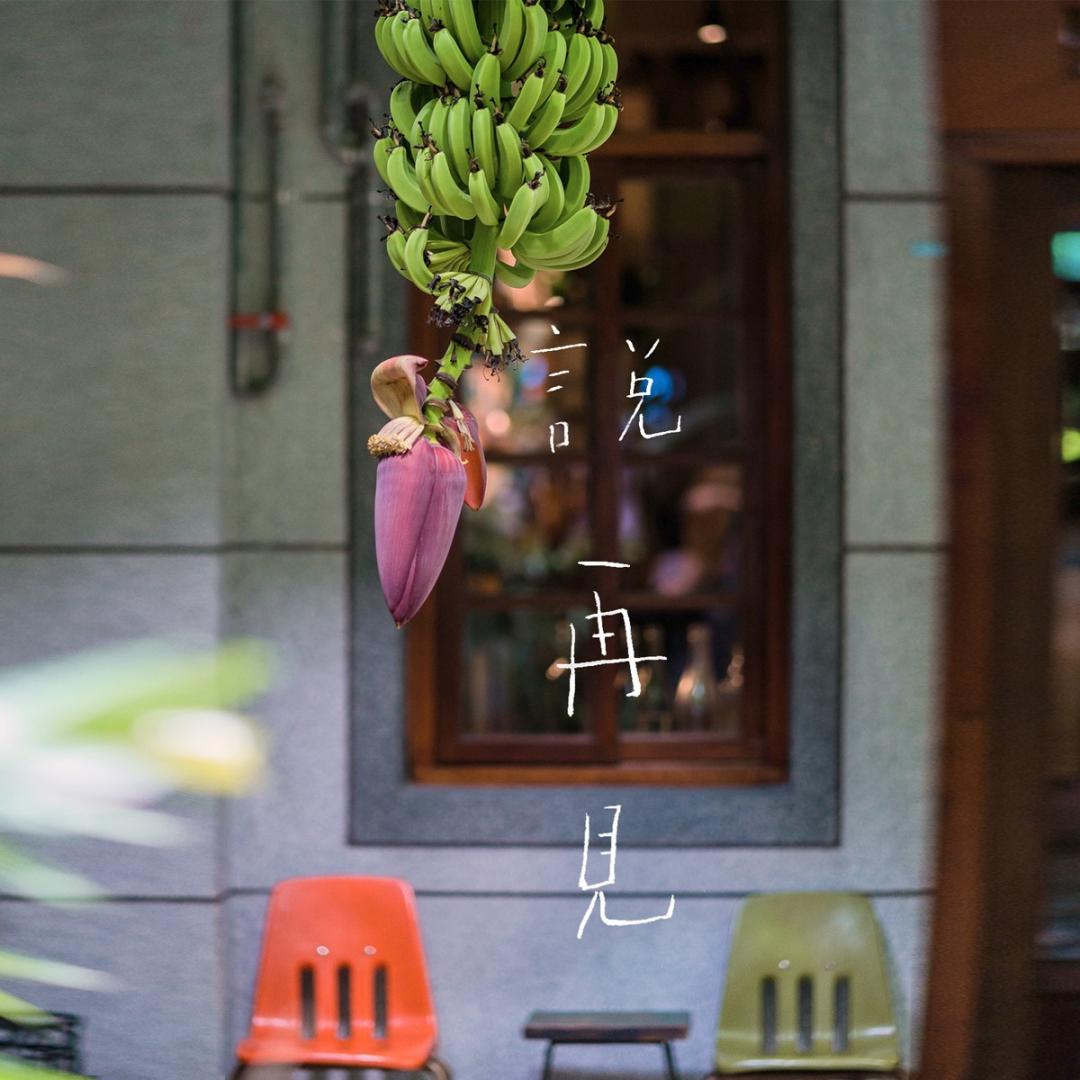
(806, 988)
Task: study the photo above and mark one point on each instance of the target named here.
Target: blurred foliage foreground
(87, 746)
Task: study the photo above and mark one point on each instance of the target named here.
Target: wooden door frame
(1002, 527)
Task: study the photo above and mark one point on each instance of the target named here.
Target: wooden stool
(608, 1027)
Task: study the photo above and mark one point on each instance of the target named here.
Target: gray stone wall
(139, 498)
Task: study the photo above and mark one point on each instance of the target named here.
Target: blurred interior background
(177, 466)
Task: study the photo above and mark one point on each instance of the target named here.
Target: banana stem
(458, 357)
(484, 249)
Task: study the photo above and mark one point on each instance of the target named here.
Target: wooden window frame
(606, 756)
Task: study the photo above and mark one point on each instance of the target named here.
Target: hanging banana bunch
(484, 151)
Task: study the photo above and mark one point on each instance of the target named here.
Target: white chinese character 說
(642, 393)
(597, 887)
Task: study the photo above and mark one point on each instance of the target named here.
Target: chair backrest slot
(841, 1014)
(342, 974)
(380, 978)
(805, 991)
(830, 1006)
(344, 1001)
(768, 1016)
(307, 1002)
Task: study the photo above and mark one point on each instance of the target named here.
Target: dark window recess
(698, 266)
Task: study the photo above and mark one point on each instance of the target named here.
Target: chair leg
(549, 1054)
(669, 1058)
(437, 1069)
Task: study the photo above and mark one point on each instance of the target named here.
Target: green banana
(593, 13)
(590, 252)
(563, 242)
(418, 270)
(446, 188)
(610, 74)
(554, 57)
(607, 126)
(487, 209)
(548, 118)
(402, 111)
(453, 60)
(511, 32)
(440, 117)
(576, 177)
(395, 252)
(578, 58)
(422, 123)
(385, 40)
(523, 206)
(465, 29)
(513, 277)
(580, 99)
(485, 78)
(399, 24)
(458, 138)
(421, 55)
(402, 179)
(576, 137)
(423, 178)
(380, 152)
(548, 216)
(525, 102)
(508, 147)
(532, 41)
(483, 142)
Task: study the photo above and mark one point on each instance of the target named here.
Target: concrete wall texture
(139, 498)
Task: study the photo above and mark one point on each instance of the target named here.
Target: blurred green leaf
(53, 972)
(28, 877)
(22, 1012)
(102, 694)
(13, 1069)
(75, 817)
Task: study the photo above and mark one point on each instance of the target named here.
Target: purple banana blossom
(418, 500)
(419, 490)
(475, 463)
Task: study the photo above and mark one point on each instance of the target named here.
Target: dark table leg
(669, 1057)
(549, 1053)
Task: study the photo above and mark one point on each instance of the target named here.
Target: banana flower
(420, 484)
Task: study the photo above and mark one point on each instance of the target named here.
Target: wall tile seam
(227, 895)
(867, 196)
(293, 197)
(238, 547)
(164, 190)
(915, 547)
(637, 894)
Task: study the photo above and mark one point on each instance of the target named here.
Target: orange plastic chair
(342, 982)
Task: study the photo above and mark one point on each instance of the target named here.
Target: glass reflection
(679, 529)
(698, 688)
(512, 683)
(531, 532)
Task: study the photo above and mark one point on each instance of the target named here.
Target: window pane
(680, 245)
(531, 531)
(516, 407)
(700, 67)
(698, 688)
(693, 389)
(679, 530)
(512, 684)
